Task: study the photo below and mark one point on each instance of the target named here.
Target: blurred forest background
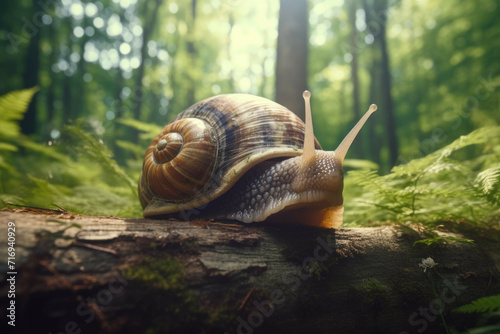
(110, 74)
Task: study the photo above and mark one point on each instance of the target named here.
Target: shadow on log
(79, 274)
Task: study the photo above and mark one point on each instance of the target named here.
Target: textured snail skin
(280, 191)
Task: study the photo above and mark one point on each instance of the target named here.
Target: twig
(244, 301)
(35, 208)
(228, 226)
(61, 208)
(102, 249)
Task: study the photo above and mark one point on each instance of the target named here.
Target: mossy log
(80, 274)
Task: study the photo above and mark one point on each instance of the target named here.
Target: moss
(220, 319)
(167, 301)
(160, 273)
(371, 292)
(163, 294)
(178, 244)
(317, 270)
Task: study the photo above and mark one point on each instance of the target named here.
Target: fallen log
(81, 274)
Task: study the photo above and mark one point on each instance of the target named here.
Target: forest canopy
(87, 85)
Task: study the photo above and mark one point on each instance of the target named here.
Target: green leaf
(482, 305)
(42, 149)
(137, 150)
(150, 130)
(442, 240)
(488, 182)
(360, 164)
(13, 105)
(8, 147)
(96, 149)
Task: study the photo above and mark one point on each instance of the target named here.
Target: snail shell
(209, 146)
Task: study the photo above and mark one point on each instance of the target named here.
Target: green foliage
(77, 173)
(149, 131)
(13, 105)
(482, 305)
(370, 291)
(442, 240)
(490, 309)
(450, 184)
(159, 273)
(96, 150)
(488, 183)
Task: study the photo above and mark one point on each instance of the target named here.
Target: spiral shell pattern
(220, 139)
(179, 161)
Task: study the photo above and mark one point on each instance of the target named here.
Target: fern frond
(14, 104)
(149, 130)
(418, 166)
(442, 240)
(446, 166)
(100, 153)
(482, 305)
(489, 179)
(479, 136)
(137, 150)
(360, 164)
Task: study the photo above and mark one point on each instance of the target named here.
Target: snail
(245, 158)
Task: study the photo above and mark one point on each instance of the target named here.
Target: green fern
(149, 131)
(488, 182)
(489, 304)
(136, 150)
(94, 148)
(13, 105)
(442, 240)
(442, 186)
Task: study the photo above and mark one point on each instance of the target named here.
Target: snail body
(244, 158)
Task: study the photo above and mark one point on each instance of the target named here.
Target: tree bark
(376, 20)
(51, 94)
(357, 146)
(30, 78)
(192, 55)
(386, 91)
(291, 58)
(67, 90)
(147, 29)
(111, 275)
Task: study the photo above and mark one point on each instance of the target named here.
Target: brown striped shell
(210, 145)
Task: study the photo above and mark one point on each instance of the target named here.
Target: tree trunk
(147, 29)
(291, 58)
(80, 86)
(386, 91)
(192, 55)
(374, 143)
(376, 20)
(111, 275)
(30, 78)
(67, 98)
(357, 146)
(51, 94)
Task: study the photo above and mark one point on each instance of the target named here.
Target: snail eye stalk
(342, 149)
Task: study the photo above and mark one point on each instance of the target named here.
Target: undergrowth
(76, 172)
(489, 308)
(458, 183)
